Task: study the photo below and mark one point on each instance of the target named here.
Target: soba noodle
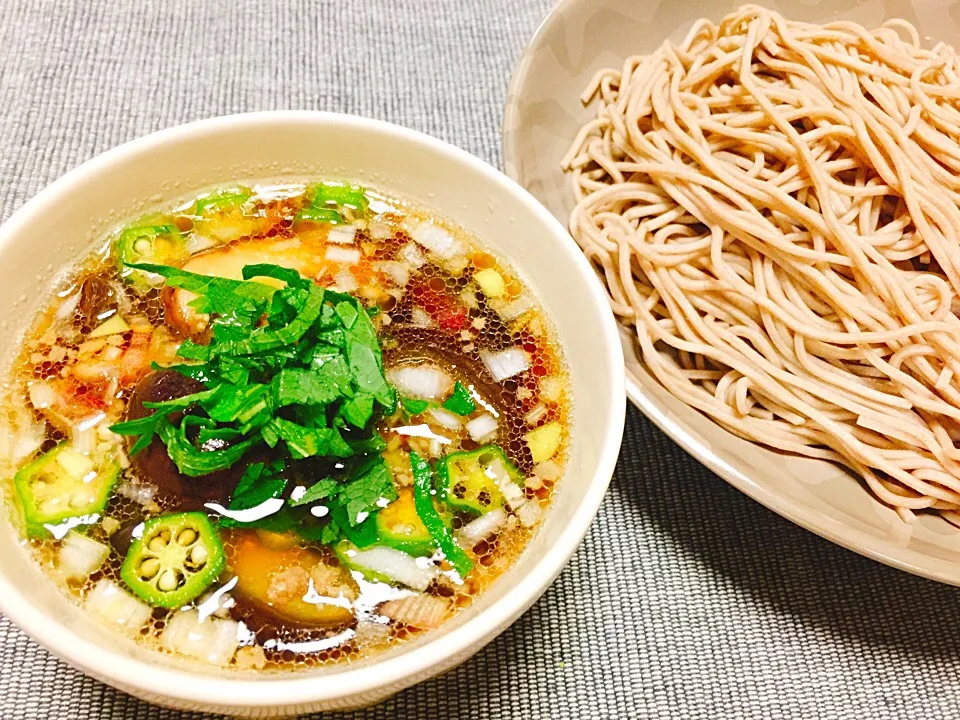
(775, 206)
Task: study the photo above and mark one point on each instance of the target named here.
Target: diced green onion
(423, 497)
(460, 402)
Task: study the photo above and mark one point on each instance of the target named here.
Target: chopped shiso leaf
(297, 369)
(460, 402)
(414, 406)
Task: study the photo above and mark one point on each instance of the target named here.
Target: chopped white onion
(514, 309)
(118, 608)
(139, 492)
(345, 282)
(482, 428)
(446, 418)
(347, 256)
(411, 255)
(506, 363)
(547, 470)
(420, 611)
(42, 395)
(535, 414)
(529, 514)
(421, 318)
(379, 229)
(196, 243)
(211, 640)
(398, 272)
(469, 298)
(20, 434)
(79, 556)
(68, 307)
(372, 630)
(512, 493)
(342, 235)
(83, 439)
(393, 564)
(437, 240)
(481, 528)
(551, 388)
(421, 382)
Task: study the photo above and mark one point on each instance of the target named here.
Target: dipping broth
(284, 426)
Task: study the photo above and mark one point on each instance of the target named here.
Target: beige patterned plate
(543, 114)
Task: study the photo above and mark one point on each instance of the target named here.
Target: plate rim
(835, 531)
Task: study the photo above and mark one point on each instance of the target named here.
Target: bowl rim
(292, 689)
(680, 432)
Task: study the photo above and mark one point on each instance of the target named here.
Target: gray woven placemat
(686, 599)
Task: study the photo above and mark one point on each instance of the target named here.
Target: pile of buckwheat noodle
(775, 206)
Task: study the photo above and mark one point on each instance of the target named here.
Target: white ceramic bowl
(60, 224)
(543, 116)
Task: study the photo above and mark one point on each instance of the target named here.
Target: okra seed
(79, 499)
(49, 506)
(157, 544)
(186, 537)
(167, 580)
(149, 568)
(198, 555)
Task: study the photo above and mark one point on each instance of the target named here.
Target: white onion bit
(345, 282)
(511, 491)
(437, 240)
(421, 318)
(117, 607)
(529, 514)
(481, 528)
(548, 470)
(482, 428)
(506, 363)
(139, 492)
(516, 308)
(20, 435)
(342, 234)
(396, 565)
(411, 255)
(211, 640)
(196, 242)
(79, 556)
(42, 395)
(446, 418)
(379, 229)
(421, 382)
(398, 272)
(68, 307)
(535, 415)
(347, 256)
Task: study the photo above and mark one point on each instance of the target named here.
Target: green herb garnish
(330, 199)
(297, 368)
(460, 401)
(414, 407)
(423, 494)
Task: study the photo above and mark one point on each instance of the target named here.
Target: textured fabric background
(687, 600)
